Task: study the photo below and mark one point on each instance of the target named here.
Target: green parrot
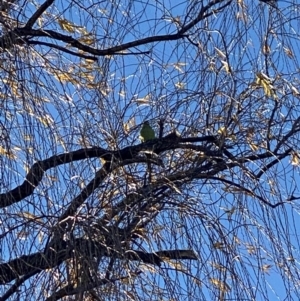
(147, 132)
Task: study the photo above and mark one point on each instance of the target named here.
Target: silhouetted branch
(62, 250)
(62, 48)
(158, 146)
(38, 13)
(22, 34)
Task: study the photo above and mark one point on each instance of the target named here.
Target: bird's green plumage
(147, 132)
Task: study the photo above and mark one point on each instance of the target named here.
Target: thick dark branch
(170, 254)
(26, 32)
(177, 254)
(15, 287)
(21, 34)
(62, 48)
(38, 169)
(34, 263)
(61, 251)
(202, 14)
(38, 13)
(118, 159)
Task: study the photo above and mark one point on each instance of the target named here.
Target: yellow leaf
(250, 132)
(264, 81)
(176, 20)
(197, 281)
(219, 267)
(7, 153)
(23, 234)
(253, 146)
(91, 62)
(31, 217)
(122, 93)
(130, 295)
(222, 131)
(236, 240)
(147, 268)
(241, 15)
(66, 25)
(125, 280)
(103, 161)
(292, 259)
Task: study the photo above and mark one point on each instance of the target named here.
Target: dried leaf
(264, 81)
(129, 125)
(88, 40)
(144, 100)
(66, 25)
(180, 85)
(251, 249)
(7, 153)
(178, 266)
(288, 52)
(225, 66)
(295, 91)
(178, 65)
(23, 234)
(219, 245)
(253, 146)
(222, 131)
(266, 49)
(266, 268)
(222, 286)
(220, 53)
(230, 211)
(295, 159)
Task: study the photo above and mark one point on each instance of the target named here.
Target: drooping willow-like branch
(117, 159)
(25, 34)
(63, 250)
(38, 169)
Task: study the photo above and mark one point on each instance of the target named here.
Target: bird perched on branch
(147, 132)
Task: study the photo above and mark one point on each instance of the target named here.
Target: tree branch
(62, 48)
(62, 250)
(21, 34)
(38, 13)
